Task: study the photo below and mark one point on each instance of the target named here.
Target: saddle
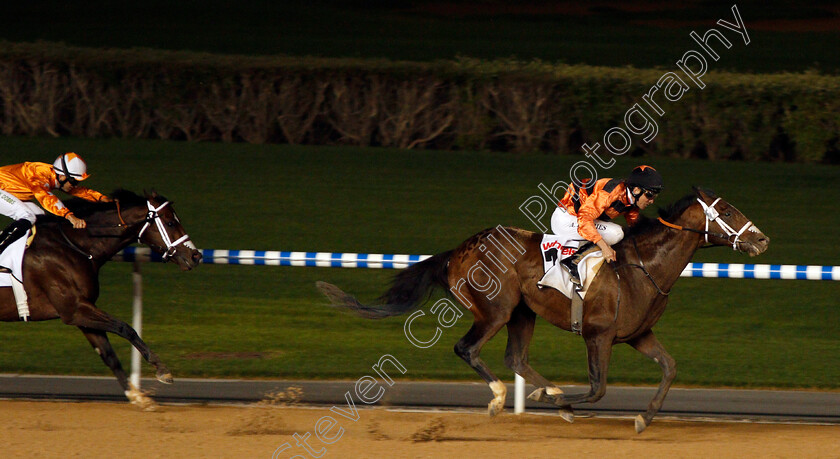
(557, 277)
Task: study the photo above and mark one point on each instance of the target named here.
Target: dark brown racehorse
(61, 270)
(623, 303)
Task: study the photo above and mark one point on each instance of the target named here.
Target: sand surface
(89, 430)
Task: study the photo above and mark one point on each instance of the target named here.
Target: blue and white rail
(750, 271)
(401, 261)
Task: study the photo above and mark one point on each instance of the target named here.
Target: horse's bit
(153, 216)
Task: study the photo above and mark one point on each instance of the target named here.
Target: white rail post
(137, 322)
(519, 395)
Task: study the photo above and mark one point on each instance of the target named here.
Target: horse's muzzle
(757, 244)
(189, 260)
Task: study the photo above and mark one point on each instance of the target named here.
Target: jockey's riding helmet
(71, 166)
(646, 178)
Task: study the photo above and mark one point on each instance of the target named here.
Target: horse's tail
(409, 289)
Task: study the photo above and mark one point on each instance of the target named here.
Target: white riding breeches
(16, 209)
(566, 225)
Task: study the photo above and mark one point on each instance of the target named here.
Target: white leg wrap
(497, 405)
(20, 299)
(139, 398)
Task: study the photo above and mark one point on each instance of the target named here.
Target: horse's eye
(727, 214)
(170, 224)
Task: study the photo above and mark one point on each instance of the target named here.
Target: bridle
(712, 215)
(153, 216)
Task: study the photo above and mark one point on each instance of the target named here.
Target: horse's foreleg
(648, 345)
(88, 316)
(520, 331)
(99, 340)
(469, 348)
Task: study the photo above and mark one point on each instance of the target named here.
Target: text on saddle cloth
(556, 276)
(554, 249)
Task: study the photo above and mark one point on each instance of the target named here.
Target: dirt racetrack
(67, 429)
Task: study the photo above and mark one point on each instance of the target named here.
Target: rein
(712, 215)
(76, 248)
(682, 228)
(121, 224)
(640, 265)
(152, 216)
(72, 245)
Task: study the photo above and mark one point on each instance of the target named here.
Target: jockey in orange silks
(24, 182)
(584, 212)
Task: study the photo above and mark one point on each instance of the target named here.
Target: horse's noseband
(152, 216)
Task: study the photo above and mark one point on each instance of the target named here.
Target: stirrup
(571, 266)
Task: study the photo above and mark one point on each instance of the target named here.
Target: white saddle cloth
(12, 259)
(556, 276)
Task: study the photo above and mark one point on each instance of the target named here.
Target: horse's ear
(703, 192)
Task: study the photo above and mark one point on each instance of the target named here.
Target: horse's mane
(83, 209)
(668, 213)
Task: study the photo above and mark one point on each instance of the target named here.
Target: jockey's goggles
(68, 176)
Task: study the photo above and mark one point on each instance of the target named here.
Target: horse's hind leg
(88, 316)
(469, 348)
(648, 345)
(520, 331)
(99, 340)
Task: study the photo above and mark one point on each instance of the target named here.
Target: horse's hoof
(495, 408)
(567, 414)
(553, 391)
(537, 395)
(165, 377)
(641, 425)
(140, 399)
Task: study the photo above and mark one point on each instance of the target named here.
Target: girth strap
(577, 311)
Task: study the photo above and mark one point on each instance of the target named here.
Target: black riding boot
(571, 263)
(13, 232)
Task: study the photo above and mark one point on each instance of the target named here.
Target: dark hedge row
(49, 89)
